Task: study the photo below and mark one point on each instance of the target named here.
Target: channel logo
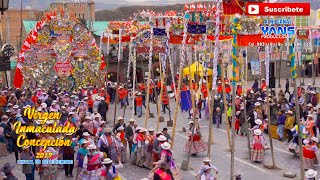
(278, 9)
(253, 9)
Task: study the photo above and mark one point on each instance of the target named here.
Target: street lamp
(4, 4)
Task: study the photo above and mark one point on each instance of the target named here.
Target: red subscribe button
(278, 9)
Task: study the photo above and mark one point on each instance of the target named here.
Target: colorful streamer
(292, 58)
(235, 27)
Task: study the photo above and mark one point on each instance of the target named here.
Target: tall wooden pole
(294, 78)
(160, 95)
(134, 72)
(118, 76)
(267, 64)
(235, 62)
(225, 102)
(149, 77)
(245, 103)
(182, 60)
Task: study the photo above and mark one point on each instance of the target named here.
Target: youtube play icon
(253, 9)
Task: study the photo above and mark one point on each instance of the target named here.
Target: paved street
(220, 155)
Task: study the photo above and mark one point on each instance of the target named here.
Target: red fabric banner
(230, 8)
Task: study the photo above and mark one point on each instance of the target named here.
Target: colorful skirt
(310, 159)
(50, 172)
(149, 160)
(257, 153)
(141, 156)
(123, 154)
(196, 146)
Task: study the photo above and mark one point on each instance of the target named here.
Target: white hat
(206, 159)
(143, 130)
(69, 134)
(139, 94)
(120, 87)
(85, 98)
(27, 106)
(39, 109)
(151, 129)
(18, 115)
(315, 139)
(4, 117)
(88, 118)
(311, 173)
(66, 104)
(132, 120)
(238, 112)
(120, 128)
(8, 111)
(9, 104)
(258, 121)
(257, 104)
(85, 134)
(313, 92)
(259, 99)
(107, 130)
(310, 105)
(165, 145)
(257, 132)
(15, 107)
(92, 146)
(138, 128)
(120, 118)
(309, 115)
(306, 141)
(263, 79)
(102, 99)
(107, 161)
(63, 107)
(162, 138)
(289, 112)
(190, 122)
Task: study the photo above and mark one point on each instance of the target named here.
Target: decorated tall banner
(235, 27)
(292, 58)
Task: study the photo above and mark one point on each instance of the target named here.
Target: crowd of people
(98, 149)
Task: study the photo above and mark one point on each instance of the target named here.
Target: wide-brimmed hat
(315, 139)
(120, 128)
(289, 112)
(309, 115)
(92, 146)
(107, 161)
(190, 122)
(257, 132)
(258, 121)
(143, 130)
(206, 159)
(162, 138)
(311, 173)
(139, 94)
(85, 134)
(69, 134)
(7, 168)
(259, 99)
(120, 118)
(257, 104)
(166, 145)
(132, 120)
(313, 92)
(306, 141)
(15, 107)
(310, 105)
(88, 118)
(50, 122)
(151, 130)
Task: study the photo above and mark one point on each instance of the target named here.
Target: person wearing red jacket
(90, 104)
(263, 83)
(138, 100)
(126, 96)
(121, 94)
(34, 98)
(165, 102)
(228, 88)
(151, 99)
